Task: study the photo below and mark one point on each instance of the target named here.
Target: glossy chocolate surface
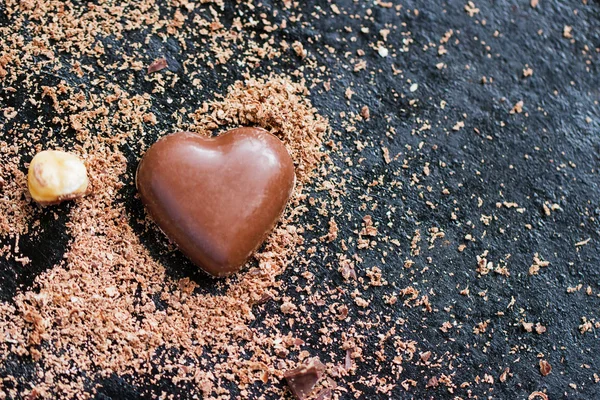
(216, 198)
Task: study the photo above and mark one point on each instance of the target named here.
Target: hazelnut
(56, 176)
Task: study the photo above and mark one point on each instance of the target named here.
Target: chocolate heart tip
(217, 198)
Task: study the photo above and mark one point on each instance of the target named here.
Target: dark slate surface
(562, 92)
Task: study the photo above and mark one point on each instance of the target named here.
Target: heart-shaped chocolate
(216, 198)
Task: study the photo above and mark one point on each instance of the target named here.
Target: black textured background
(562, 92)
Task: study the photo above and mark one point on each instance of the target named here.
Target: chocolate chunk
(216, 198)
(303, 379)
(157, 65)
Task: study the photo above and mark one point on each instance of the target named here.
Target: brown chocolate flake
(346, 268)
(365, 113)
(504, 375)
(333, 231)
(458, 126)
(425, 356)
(528, 326)
(537, 395)
(545, 368)
(386, 155)
(568, 32)
(157, 65)
(481, 327)
(537, 264)
(349, 93)
(288, 308)
(324, 394)
(471, 9)
(539, 328)
(348, 360)
(585, 326)
(299, 49)
(342, 312)
(517, 108)
(303, 379)
(432, 382)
